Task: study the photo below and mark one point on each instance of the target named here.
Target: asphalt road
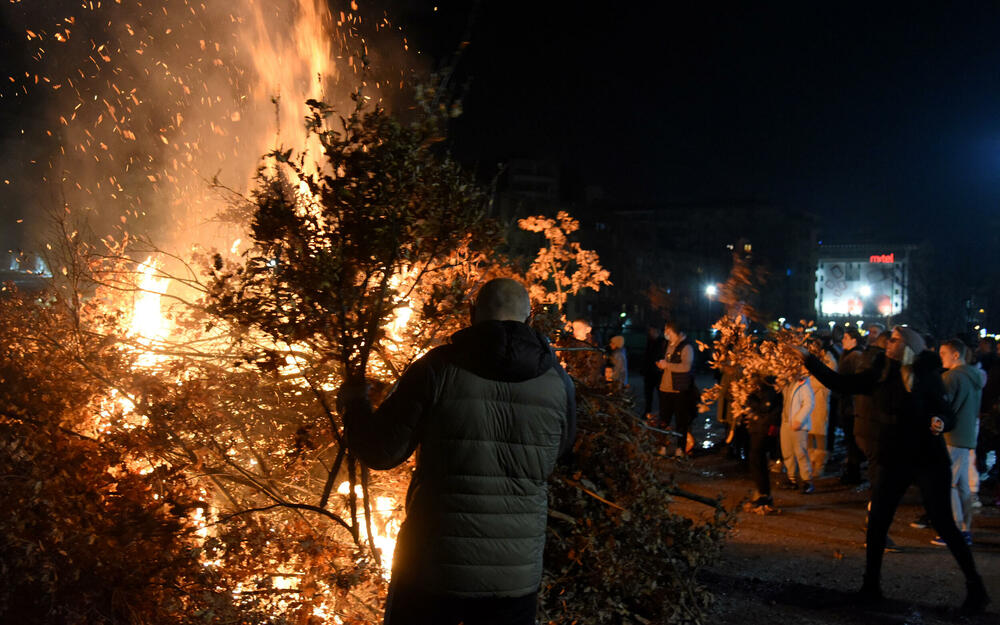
(801, 565)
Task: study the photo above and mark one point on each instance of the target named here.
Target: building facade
(862, 282)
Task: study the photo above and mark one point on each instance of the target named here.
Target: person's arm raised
(861, 383)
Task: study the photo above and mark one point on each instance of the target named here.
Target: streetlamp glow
(866, 290)
(711, 290)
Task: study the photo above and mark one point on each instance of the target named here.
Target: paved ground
(801, 566)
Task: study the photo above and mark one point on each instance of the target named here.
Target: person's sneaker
(939, 542)
(976, 598)
(850, 478)
(869, 595)
(890, 545)
(763, 500)
(922, 522)
(790, 485)
(975, 501)
(808, 488)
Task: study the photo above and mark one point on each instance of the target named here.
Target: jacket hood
(506, 351)
(971, 373)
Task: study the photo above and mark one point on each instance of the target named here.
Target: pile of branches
(203, 487)
(83, 537)
(616, 552)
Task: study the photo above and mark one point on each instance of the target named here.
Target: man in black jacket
(656, 347)
(490, 412)
(851, 361)
(908, 399)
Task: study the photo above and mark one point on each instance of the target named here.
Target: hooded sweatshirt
(965, 390)
(490, 412)
(799, 403)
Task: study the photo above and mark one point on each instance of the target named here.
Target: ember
(217, 372)
(149, 103)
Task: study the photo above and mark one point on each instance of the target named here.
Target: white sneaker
(975, 501)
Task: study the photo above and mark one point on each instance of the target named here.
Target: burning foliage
(88, 535)
(169, 435)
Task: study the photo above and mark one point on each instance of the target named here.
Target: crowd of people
(494, 409)
(907, 410)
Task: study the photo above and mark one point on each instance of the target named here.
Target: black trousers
(865, 437)
(889, 484)
(410, 606)
(681, 408)
(650, 386)
(989, 439)
(852, 465)
(757, 459)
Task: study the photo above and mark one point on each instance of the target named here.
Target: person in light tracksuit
(796, 414)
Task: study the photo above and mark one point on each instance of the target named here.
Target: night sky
(882, 120)
(884, 117)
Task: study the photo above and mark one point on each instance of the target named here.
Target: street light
(711, 290)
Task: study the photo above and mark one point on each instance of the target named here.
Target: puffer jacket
(965, 390)
(490, 412)
(903, 435)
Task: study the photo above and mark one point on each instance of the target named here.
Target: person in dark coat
(851, 362)
(583, 359)
(656, 347)
(678, 393)
(989, 411)
(763, 422)
(909, 398)
(865, 425)
(490, 412)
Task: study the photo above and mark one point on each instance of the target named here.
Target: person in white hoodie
(819, 420)
(795, 423)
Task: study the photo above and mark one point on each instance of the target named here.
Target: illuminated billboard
(852, 281)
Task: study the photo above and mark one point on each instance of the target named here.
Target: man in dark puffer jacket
(490, 412)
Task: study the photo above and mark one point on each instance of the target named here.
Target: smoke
(138, 107)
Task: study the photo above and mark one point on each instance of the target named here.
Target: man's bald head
(502, 299)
